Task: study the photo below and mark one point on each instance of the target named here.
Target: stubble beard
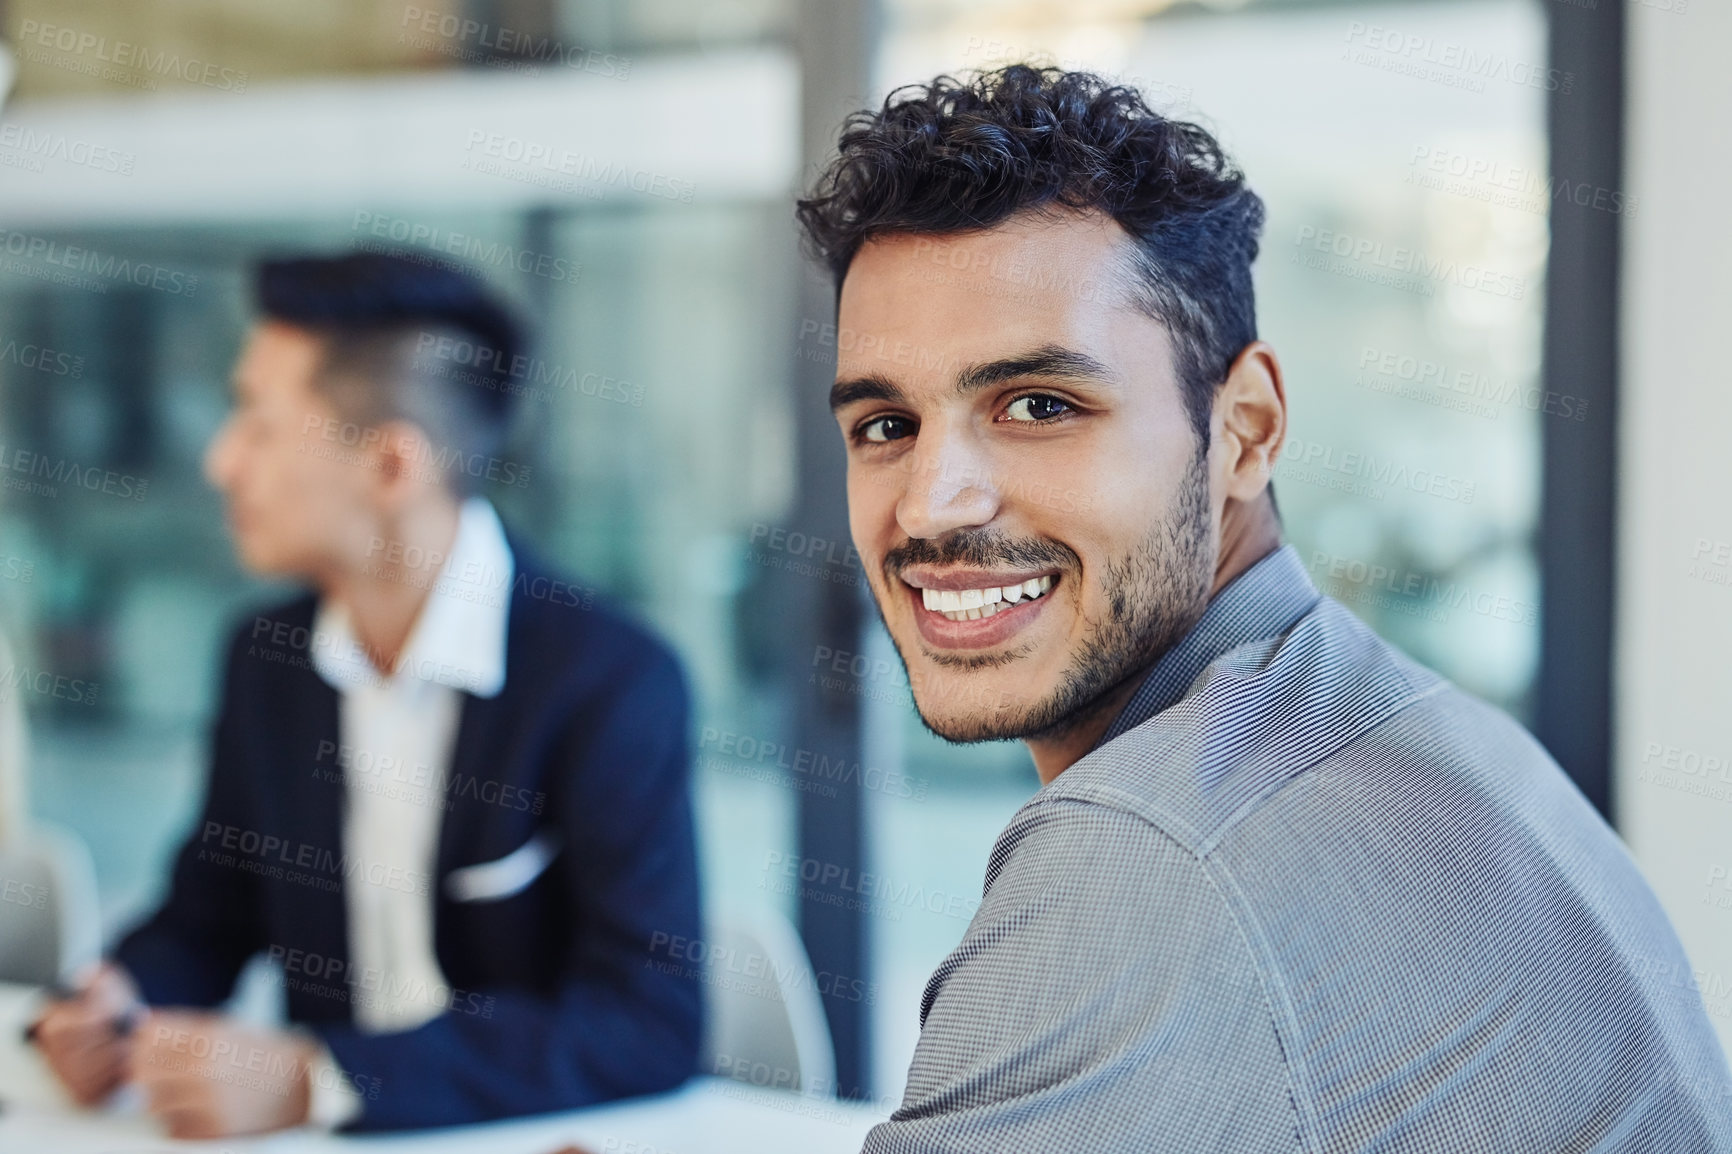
(1154, 594)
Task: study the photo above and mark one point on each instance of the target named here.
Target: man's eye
(1036, 408)
(882, 429)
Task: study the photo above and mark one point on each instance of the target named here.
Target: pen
(122, 1024)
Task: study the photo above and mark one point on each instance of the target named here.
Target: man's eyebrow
(1046, 361)
(871, 387)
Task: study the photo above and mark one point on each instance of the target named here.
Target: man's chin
(969, 730)
(1027, 724)
(257, 563)
(965, 707)
(267, 564)
(984, 713)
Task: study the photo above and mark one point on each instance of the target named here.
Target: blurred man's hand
(206, 1076)
(86, 1039)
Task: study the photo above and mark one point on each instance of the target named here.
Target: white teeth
(974, 604)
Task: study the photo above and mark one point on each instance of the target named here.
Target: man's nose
(950, 484)
(218, 460)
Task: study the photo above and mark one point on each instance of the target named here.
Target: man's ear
(408, 462)
(1251, 412)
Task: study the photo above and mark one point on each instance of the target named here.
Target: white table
(707, 1116)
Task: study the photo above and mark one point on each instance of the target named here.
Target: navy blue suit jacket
(556, 1000)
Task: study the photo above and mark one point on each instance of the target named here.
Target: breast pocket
(491, 881)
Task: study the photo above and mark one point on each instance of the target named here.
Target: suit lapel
(483, 729)
(475, 757)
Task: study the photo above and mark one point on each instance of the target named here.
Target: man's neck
(1248, 534)
(385, 594)
(1053, 755)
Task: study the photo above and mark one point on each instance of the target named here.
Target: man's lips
(974, 609)
(926, 577)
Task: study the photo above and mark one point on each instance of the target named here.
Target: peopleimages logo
(41, 358)
(1471, 384)
(137, 57)
(59, 146)
(74, 691)
(1403, 261)
(757, 753)
(430, 463)
(519, 47)
(589, 172)
(1299, 456)
(1401, 589)
(522, 375)
(31, 472)
(1460, 65)
(143, 274)
(1511, 186)
(465, 246)
(834, 884)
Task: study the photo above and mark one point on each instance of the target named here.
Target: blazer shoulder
(556, 620)
(272, 637)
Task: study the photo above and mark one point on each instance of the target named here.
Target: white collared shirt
(396, 738)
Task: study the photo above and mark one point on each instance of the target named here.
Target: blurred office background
(624, 172)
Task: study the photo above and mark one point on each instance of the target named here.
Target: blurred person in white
(49, 919)
(1283, 890)
(448, 790)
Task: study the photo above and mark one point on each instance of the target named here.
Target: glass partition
(652, 437)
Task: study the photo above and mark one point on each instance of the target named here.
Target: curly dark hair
(958, 156)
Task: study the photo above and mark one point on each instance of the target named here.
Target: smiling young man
(1283, 889)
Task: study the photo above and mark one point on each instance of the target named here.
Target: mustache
(981, 549)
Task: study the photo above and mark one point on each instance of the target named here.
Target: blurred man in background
(448, 791)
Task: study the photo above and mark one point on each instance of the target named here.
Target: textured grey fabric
(1308, 896)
